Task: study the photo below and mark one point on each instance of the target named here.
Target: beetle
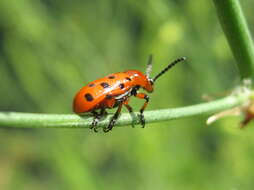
(114, 91)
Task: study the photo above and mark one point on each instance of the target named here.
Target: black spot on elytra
(88, 97)
(127, 78)
(91, 85)
(121, 85)
(111, 77)
(104, 85)
(109, 96)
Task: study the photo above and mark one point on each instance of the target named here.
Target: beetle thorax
(139, 79)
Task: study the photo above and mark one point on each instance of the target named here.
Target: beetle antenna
(168, 67)
(149, 66)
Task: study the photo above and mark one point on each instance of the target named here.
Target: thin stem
(33, 120)
(235, 28)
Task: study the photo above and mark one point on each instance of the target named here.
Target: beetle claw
(110, 126)
(94, 124)
(106, 129)
(95, 130)
(142, 120)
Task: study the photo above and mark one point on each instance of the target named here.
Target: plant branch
(34, 120)
(235, 28)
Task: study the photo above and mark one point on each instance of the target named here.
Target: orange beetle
(115, 90)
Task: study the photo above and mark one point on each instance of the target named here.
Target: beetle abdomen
(100, 93)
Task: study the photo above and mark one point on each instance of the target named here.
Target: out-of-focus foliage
(51, 48)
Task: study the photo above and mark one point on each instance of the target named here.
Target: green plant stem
(235, 28)
(33, 120)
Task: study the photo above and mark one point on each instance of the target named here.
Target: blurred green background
(51, 48)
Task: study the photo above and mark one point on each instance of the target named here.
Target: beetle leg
(114, 118)
(103, 112)
(97, 117)
(126, 104)
(129, 108)
(95, 121)
(142, 96)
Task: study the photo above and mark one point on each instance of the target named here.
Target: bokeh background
(51, 48)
